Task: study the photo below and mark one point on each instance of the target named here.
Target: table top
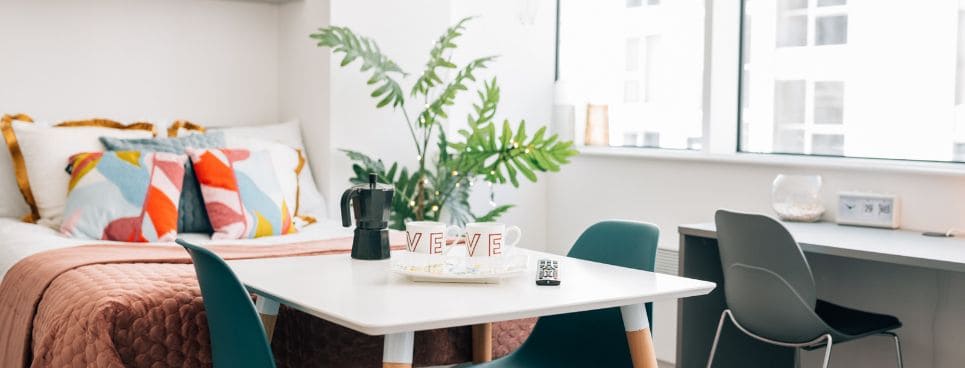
(368, 297)
(903, 247)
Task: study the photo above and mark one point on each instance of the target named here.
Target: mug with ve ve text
(486, 239)
(427, 237)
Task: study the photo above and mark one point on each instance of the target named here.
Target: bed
(70, 302)
(113, 304)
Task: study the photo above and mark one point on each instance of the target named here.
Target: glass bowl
(797, 197)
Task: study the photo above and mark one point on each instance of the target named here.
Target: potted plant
(448, 168)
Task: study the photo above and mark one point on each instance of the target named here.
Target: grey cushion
(192, 216)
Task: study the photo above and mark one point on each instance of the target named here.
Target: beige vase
(597, 125)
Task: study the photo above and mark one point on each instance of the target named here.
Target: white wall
(235, 62)
(304, 82)
(671, 192)
(213, 62)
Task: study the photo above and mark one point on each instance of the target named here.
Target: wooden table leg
(268, 310)
(637, 326)
(482, 343)
(397, 350)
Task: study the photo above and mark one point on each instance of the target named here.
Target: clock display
(865, 209)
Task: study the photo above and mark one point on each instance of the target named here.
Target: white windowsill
(837, 163)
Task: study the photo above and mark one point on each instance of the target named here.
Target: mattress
(19, 240)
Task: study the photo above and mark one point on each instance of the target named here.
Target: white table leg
(637, 326)
(397, 350)
(268, 310)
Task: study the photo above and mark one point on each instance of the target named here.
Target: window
(846, 78)
(839, 78)
(643, 59)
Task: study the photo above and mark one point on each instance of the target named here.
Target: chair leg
(713, 347)
(897, 347)
(827, 353)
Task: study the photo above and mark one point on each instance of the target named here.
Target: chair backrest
(594, 338)
(619, 243)
(628, 244)
(237, 336)
(768, 283)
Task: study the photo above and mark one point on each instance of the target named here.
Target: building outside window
(845, 78)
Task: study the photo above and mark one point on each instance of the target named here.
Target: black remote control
(548, 272)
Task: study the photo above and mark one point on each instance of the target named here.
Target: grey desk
(699, 259)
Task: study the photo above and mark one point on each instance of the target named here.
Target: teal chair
(594, 338)
(237, 337)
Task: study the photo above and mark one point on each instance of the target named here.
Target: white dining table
(367, 296)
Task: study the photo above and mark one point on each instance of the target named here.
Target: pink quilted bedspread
(140, 306)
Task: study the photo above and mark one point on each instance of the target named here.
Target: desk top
(367, 297)
(902, 247)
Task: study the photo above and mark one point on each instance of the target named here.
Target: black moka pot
(371, 203)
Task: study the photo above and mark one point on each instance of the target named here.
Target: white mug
(427, 237)
(485, 239)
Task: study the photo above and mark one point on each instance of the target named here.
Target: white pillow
(45, 151)
(290, 134)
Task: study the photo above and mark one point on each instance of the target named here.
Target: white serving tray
(421, 267)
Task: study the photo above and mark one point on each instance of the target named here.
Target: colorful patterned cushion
(310, 201)
(192, 217)
(124, 195)
(241, 192)
(285, 160)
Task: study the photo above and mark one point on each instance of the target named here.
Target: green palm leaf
(354, 47)
(438, 59)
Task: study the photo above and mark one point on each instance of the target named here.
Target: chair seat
(854, 323)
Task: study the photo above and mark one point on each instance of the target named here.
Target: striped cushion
(124, 195)
(241, 193)
(192, 217)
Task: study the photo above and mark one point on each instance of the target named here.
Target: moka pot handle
(347, 197)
